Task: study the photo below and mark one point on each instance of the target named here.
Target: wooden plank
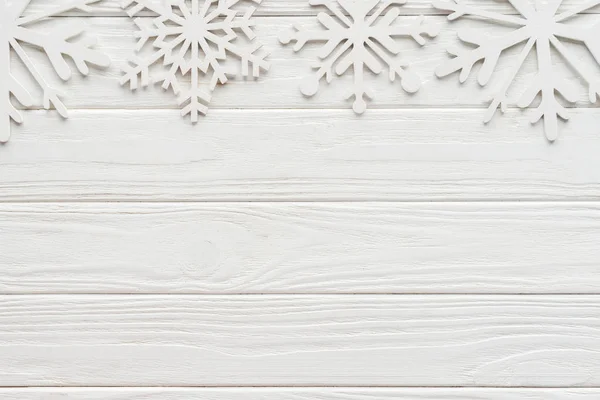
(335, 340)
(301, 7)
(240, 155)
(297, 394)
(279, 88)
(300, 248)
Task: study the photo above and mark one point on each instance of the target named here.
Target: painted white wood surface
(297, 394)
(275, 193)
(266, 340)
(284, 155)
(300, 248)
(279, 87)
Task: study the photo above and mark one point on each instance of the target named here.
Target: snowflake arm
(583, 72)
(134, 7)
(249, 56)
(50, 95)
(589, 38)
(487, 50)
(81, 5)
(195, 40)
(138, 72)
(23, 97)
(58, 44)
(330, 5)
(543, 28)
(500, 99)
(577, 10)
(195, 97)
(458, 10)
(362, 42)
(416, 31)
(547, 84)
(384, 45)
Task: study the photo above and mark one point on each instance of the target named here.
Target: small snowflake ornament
(17, 31)
(537, 24)
(363, 39)
(194, 38)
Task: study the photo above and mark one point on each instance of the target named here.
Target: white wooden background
(285, 249)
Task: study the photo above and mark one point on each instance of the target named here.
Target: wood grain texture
(300, 248)
(299, 155)
(298, 7)
(297, 394)
(279, 87)
(336, 340)
(278, 228)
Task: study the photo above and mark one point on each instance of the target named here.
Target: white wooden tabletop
(284, 248)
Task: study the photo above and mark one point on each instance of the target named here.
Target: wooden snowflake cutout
(362, 41)
(58, 44)
(540, 25)
(194, 38)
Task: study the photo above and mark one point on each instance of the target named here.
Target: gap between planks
(299, 294)
(479, 201)
(299, 392)
(184, 388)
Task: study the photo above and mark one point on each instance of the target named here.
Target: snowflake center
(195, 39)
(195, 28)
(542, 24)
(359, 32)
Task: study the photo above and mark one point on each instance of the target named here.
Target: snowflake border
(534, 32)
(58, 46)
(359, 41)
(218, 15)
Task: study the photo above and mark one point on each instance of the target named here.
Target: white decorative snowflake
(58, 44)
(195, 38)
(360, 40)
(540, 25)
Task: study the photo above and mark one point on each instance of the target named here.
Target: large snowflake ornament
(538, 25)
(363, 39)
(194, 38)
(17, 32)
